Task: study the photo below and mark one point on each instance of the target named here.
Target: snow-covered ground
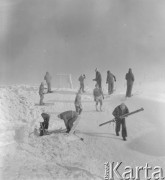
(26, 156)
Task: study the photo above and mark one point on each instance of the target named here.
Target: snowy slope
(26, 156)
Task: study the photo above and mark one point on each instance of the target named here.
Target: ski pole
(82, 139)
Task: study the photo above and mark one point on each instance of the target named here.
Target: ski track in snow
(57, 156)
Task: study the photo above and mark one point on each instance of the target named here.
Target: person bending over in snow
(44, 125)
(77, 102)
(119, 111)
(69, 118)
(98, 96)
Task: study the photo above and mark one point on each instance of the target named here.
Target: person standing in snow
(130, 79)
(48, 78)
(41, 93)
(44, 125)
(81, 79)
(77, 102)
(98, 96)
(119, 111)
(110, 81)
(98, 78)
(69, 118)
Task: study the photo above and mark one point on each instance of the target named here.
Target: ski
(56, 131)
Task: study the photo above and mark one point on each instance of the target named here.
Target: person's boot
(124, 139)
(46, 131)
(117, 134)
(67, 131)
(50, 91)
(41, 103)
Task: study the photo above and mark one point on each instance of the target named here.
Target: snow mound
(18, 114)
(33, 157)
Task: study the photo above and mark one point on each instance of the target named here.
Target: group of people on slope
(117, 113)
(70, 116)
(110, 81)
(98, 93)
(120, 110)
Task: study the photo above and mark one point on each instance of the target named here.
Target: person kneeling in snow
(98, 96)
(119, 111)
(69, 118)
(44, 125)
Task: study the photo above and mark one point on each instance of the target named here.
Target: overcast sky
(76, 36)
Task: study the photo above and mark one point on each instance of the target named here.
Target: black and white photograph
(82, 89)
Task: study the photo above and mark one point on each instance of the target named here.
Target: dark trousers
(44, 125)
(129, 89)
(110, 87)
(46, 118)
(49, 86)
(121, 122)
(69, 123)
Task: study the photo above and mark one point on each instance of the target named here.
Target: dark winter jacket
(81, 79)
(67, 115)
(110, 78)
(98, 77)
(47, 77)
(46, 118)
(119, 112)
(129, 77)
